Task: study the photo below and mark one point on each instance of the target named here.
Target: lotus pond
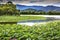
(48, 31)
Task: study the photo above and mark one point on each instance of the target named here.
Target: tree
(8, 9)
(9, 2)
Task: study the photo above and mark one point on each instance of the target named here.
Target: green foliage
(49, 31)
(20, 18)
(53, 13)
(31, 12)
(8, 9)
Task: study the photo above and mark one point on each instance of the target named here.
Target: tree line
(40, 12)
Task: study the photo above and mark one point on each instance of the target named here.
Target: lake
(33, 22)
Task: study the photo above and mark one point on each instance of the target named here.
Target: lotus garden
(9, 13)
(48, 31)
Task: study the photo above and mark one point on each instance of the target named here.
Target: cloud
(33, 1)
(37, 2)
(0, 0)
(57, 3)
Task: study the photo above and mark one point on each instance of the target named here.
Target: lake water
(33, 22)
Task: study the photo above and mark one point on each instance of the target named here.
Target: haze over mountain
(44, 8)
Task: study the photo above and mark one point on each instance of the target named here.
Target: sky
(38, 2)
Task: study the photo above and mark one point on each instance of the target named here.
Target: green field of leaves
(19, 18)
(48, 31)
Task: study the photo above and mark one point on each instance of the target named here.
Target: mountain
(47, 8)
(51, 8)
(30, 9)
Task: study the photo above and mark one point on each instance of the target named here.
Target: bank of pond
(26, 21)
